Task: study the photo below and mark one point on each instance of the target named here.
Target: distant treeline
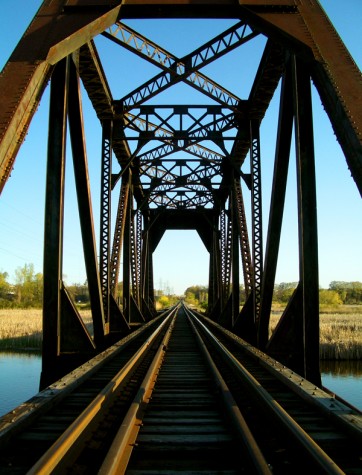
(338, 293)
(28, 292)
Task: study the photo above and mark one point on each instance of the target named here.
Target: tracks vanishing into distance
(184, 395)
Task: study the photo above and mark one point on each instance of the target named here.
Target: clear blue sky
(181, 260)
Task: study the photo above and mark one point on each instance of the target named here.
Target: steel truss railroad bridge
(181, 166)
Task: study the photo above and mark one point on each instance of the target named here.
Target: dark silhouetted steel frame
(301, 46)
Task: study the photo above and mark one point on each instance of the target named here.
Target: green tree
(164, 301)
(79, 292)
(29, 286)
(197, 295)
(350, 292)
(3, 281)
(4, 285)
(329, 297)
(242, 294)
(284, 291)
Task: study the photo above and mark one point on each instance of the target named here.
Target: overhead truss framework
(181, 165)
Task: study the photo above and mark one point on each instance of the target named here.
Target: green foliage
(283, 291)
(28, 292)
(349, 292)
(197, 295)
(28, 289)
(164, 301)
(329, 297)
(5, 287)
(242, 294)
(79, 293)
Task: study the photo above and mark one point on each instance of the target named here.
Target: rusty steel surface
(180, 165)
(49, 38)
(61, 27)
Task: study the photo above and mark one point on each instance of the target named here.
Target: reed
(341, 337)
(340, 333)
(21, 329)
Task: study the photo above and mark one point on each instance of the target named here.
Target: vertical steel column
(119, 233)
(229, 236)
(307, 218)
(139, 252)
(54, 214)
(256, 215)
(146, 268)
(244, 239)
(223, 251)
(127, 255)
(144, 271)
(282, 153)
(215, 272)
(226, 253)
(81, 175)
(235, 256)
(105, 218)
(134, 256)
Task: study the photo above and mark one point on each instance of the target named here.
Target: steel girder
(301, 45)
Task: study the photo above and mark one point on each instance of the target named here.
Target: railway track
(182, 395)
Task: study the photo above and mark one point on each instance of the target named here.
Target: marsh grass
(21, 329)
(340, 333)
(341, 336)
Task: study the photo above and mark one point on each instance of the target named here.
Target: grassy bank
(340, 332)
(21, 329)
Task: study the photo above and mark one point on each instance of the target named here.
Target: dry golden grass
(22, 328)
(341, 336)
(340, 333)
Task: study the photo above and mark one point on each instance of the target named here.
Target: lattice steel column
(234, 247)
(118, 234)
(105, 218)
(138, 251)
(127, 257)
(134, 256)
(256, 214)
(223, 251)
(244, 239)
(225, 246)
(146, 266)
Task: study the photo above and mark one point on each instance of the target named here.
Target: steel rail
(118, 455)
(56, 453)
(324, 462)
(236, 417)
(332, 406)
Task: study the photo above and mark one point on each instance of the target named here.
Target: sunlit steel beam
(155, 54)
(188, 65)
